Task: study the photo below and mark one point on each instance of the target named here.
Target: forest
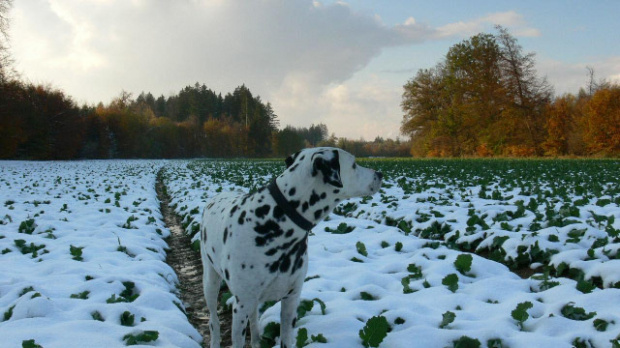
(42, 123)
(485, 99)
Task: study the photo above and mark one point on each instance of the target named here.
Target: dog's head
(336, 168)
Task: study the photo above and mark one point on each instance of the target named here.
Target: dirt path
(188, 267)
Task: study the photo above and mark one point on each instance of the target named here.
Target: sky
(340, 63)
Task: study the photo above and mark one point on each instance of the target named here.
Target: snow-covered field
(403, 267)
(82, 257)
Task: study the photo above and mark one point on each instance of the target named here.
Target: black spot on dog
(227, 274)
(289, 233)
(314, 198)
(336, 191)
(291, 159)
(267, 231)
(294, 322)
(261, 212)
(292, 192)
(329, 168)
(271, 251)
(233, 210)
(241, 218)
(318, 213)
(243, 266)
(210, 259)
(304, 207)
(291, 257)
(323, 195)
(225, 235)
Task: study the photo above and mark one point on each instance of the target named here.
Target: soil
(188, 267)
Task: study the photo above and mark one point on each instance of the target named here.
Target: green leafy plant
(127, 318)
(302, 338)
(306, 306)
(576, 313)
(374, 331)
(81, 296)
(96, 315)
(601, 325)
(451, 281)
(127, 295)
(361, 248)
(76, 252)
(463, 263)
(30, 344)
(415, 270)
(29, 249)
(466, 342)
(141, 337)
(398, 246)
(8, 314)
(342, 228)
(520, 313)
(27, 226)
(270, 333)
(447, 319)
(367, 296)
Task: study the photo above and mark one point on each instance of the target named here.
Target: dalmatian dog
(258, 242)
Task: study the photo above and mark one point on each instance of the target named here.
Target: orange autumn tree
(484, 98)
(560, 121)
(602, 122)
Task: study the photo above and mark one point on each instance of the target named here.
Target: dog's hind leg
(254, 329)
(243, 310)
(211, 284)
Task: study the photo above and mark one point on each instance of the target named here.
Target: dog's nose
(379, 175)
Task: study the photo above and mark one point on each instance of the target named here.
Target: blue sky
(338, 63)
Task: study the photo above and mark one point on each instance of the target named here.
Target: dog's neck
(289, 209)
(311, 204)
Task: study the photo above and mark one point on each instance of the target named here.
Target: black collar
(292, 214)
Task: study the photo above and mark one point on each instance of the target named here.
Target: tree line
(42, 123)
(39, 122)
(485, 99)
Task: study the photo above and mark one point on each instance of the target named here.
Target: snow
(339, 276)
(38, 289)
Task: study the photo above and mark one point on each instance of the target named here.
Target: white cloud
(509, 19)
(570, 77)
(162, 45)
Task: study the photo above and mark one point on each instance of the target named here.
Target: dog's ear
(291, 159)
(328, 168)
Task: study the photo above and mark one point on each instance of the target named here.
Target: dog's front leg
(288, 318)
